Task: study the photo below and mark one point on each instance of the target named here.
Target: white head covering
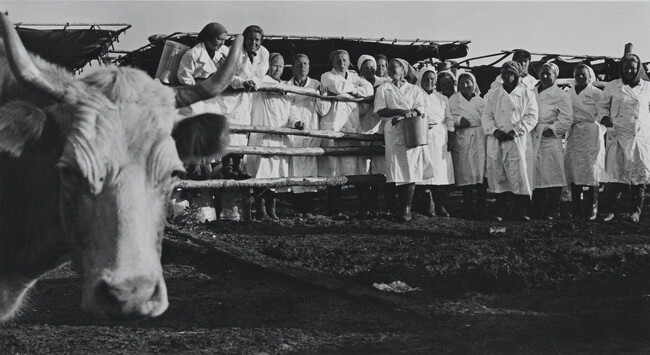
(476, 91)
(422, 71)
(363, 58)
(554, 68)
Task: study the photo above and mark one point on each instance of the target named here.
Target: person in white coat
(203, 60)
(554, 120)
(438, 149)
(510, 114)
(343, 116)
(305, 114)
(395, 101)
(468, 150)
(625, 105)
(370, 123)
(270, 109)
(522, 57)
(446, 83)
(584, 155)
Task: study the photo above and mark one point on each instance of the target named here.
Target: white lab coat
(197, 64)
(371, 123)
(555, 112)
(628, 161)
(342, 117)
(468, 152)
(247, 70)
(506, 161)
(269, 109)
(438, 114)
(404, 165)
(308, 110)
(584, 155)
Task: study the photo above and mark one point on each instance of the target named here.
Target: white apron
(628, 160)
(469, 149)
(584, 155)
(439, 116)
(555, 112)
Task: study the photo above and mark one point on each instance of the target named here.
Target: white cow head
(114, 147)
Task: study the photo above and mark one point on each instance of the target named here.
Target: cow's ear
(201, 136)
(21, 123)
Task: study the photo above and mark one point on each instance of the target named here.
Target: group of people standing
(526, 139)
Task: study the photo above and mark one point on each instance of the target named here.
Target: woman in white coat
(203, 60)
(343, 116)
(584, 155)
(468, 150)
(510, 114)
(305, 113)
(625, 105)
(555, 119)
(441, 124)
(394, 101)
(270, 109)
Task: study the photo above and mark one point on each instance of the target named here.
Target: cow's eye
(69, 175)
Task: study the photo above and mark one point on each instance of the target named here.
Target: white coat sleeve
(380, 100)
(449, 119)
(564, 117)
(363, 87)
(488, 121)
(337, 84)
(531, 115)
(186, 69)
(604, 105)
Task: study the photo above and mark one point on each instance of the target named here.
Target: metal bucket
(169, 61)
(415, 131)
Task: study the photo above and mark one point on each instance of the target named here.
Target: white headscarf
(476, 91)
(422, 71)
(363, 58)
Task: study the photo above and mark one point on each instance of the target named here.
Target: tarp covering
(71, 48)
(318, 50)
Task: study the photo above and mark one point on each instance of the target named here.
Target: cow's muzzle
(132, 297)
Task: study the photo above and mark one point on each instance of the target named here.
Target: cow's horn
(22, 65)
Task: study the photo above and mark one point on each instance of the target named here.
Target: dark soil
(306, 286)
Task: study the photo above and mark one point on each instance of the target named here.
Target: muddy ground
(306, 286)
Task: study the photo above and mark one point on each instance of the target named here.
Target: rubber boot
(553, 196)
(638, 194)
(612, 196)
(375, 190)
(270, 205)
(389, 198)
(429, 208)
(260, 204)
(577, 202)
(481, 197)
(334, 203)
(440, 200)
(590, 206)
(521, 203)
(363, 191)
(467, 201)
(537, 205)
(405, 193)
(500, 208)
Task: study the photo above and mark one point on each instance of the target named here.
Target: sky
(575, 28)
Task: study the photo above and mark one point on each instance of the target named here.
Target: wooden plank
(312, 151)
(283, 182)
(238, 128)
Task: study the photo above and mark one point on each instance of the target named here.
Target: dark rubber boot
(429, 207)
(334, 203)
(638, 195)
(577, 210)
(468, 204)
(612, 196)
(481, 197)
(440, 200)
(553, 196)
(405, 193)
(270, 205)
(521, 203)
(363, 191)
(260, 204)
(500, 208)
(537, 205)
(389, 198)
(590, 207)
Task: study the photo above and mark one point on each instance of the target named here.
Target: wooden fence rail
(238, 128)
(283, 182)
(312, 151)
